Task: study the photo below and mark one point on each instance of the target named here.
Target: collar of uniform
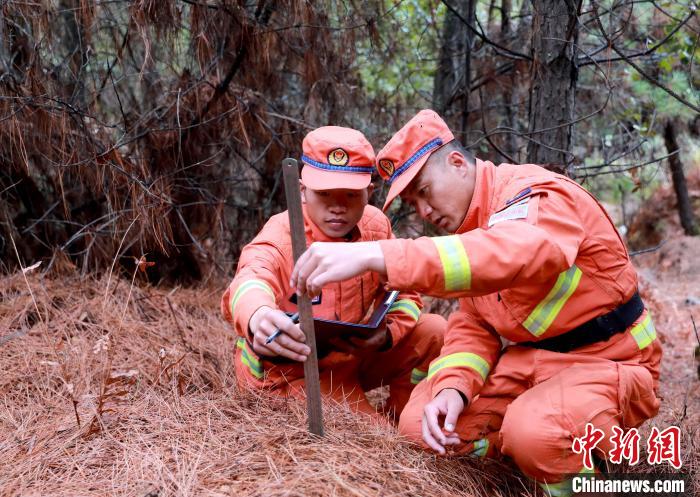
(315, 234)
(480, 204)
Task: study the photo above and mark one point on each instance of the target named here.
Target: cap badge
(387, 166)
(338, 157)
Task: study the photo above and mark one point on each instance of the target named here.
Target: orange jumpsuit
(535, 257)
(262, 278)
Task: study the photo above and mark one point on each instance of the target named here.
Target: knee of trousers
(412, 415)
(430, 331)
(541, 447)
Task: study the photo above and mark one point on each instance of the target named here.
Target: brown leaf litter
(110, 388)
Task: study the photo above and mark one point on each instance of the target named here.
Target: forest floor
(114, 387)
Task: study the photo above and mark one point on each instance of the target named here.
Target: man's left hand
(356, 345)
(324, 263)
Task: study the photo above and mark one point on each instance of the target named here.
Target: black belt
(597, 329)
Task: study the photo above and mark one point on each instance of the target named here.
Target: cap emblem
(387, 166)
(338, 157)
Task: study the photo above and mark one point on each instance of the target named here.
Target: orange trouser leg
(541, 424)
(480, 424)
(338, 382)
(345, 379)
(536, 402)
(406, 363)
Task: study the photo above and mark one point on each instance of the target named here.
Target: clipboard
(327, 330)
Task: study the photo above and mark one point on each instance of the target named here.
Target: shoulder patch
(514, 211)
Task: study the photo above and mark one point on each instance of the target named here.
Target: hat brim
(404, 180)
(318, 179)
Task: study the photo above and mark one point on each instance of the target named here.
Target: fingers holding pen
(289, 343)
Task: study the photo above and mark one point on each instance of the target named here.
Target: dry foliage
(117, 388)
(114, 387)
(111, 388)
(157, 126)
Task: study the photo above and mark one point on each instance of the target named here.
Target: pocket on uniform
(637, 398)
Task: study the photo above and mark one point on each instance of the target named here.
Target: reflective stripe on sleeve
(407, 306)
(461, 360)
(455, 263)
(548, 309)
(245, 287)
(644, 333)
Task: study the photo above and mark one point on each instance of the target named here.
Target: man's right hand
(448, 403)
(290, 344)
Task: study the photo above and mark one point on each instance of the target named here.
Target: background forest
(158, 127)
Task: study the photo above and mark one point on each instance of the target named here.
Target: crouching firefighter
(534, 259)
(335, 186)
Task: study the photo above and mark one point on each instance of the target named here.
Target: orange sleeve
(403, 314)
(405, 311)
(533, 248)
(470, 351)
(260, 279)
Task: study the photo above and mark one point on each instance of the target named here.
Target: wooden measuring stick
(290, 170)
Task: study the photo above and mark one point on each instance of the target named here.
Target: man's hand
(448, 403)
(357, 345)
(324, 263)
(290, 344)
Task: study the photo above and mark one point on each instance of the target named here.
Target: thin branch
(610, 164)
(648, 250)
(499, 48)
(649, 51)
(641, 71)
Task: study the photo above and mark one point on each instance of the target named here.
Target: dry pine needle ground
(110, 388)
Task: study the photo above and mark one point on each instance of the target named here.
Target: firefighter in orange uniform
(533, 259)
(335, 185)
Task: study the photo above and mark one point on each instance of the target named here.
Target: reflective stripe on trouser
(563, 488)
(608, 384)
(249, 359)
(345, 378)
(417, 376)
(481, 448)
(406, 363)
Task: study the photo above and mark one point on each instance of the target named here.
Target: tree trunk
(489, 19)
(553, 82)
(509, 89)
(506, 6)
(512, 92)
(453, 74)
(4, 51)
(77, 48)
(685, 208)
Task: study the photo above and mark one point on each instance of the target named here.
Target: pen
(294, 317)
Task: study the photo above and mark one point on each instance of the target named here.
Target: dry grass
(110, 391)
(118, 389)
